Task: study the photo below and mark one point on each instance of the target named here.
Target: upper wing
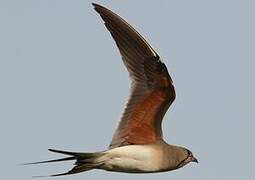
(152, 90)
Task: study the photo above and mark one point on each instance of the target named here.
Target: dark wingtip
(94, 4)
(99, 8)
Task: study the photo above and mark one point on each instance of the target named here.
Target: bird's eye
(189, 153)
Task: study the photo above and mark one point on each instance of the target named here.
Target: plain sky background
(63, 84)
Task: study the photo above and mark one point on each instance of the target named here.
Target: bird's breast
(134, 158)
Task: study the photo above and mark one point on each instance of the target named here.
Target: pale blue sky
(63, 85)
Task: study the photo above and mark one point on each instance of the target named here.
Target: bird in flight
(137, 145)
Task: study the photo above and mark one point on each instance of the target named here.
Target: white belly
(133, 158)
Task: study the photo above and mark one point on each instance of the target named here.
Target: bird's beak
(194, 160)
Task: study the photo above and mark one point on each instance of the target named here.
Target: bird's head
(187, 157)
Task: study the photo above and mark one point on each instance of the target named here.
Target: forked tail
(84, 161)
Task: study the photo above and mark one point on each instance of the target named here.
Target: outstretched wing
(152, 90)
